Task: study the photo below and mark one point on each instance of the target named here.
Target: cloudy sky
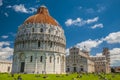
(91, 23)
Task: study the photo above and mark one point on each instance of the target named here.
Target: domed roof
(42, 16)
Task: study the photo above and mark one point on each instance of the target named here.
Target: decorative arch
(81, 68)
(41, 58)
(41, 30)
(22, 57)
(49, 31)
(50, 59)
(33, 29)
(63, 58)
(58, 60)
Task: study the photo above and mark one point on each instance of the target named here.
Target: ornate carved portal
(22, 67)
(22, 62)
(74, 69)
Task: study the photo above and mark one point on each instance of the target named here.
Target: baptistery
(39, 45)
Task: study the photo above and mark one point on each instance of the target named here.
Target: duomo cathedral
(81, 61)
(40, 45)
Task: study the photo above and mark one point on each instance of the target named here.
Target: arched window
(38, 43)
(41, 58)
(49, 31)
(31, 58)
(81, 69)
(50, 59)
(63, 58)
(41, 30)
(8, 68)
(23, 44)
(50, 44)
(32, 29)
(57, 59)
(68, 69)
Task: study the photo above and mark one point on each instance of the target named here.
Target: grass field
(74, 76)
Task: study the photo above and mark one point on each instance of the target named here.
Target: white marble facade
(5, 66)
(79, 61)
(39, 48)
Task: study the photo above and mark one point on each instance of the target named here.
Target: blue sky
(91, 23)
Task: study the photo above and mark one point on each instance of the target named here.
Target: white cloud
(113, 37)
(9, 6)
(77, 22)
(115, 56)
(92, 20)
(67, 51)
(21, 8)
(69, 22)
(5, 52)
(99, 54)
(4, 43)
(4, 36)
(89, 44)
(6, 49)
(1, 3)
(80, 21)
(6, 14)
(97, 26)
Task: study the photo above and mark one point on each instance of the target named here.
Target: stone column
(45, 57)
(54, 63)
(18, 64)
(35, 62)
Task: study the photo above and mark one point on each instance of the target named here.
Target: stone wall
(5, 66)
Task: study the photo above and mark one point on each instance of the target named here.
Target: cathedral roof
(42, 16)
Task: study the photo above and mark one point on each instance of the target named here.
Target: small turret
(85, 50)
(106, 53)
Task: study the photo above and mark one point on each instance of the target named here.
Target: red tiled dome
(42, 16)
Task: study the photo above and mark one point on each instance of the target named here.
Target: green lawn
(61, 77)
